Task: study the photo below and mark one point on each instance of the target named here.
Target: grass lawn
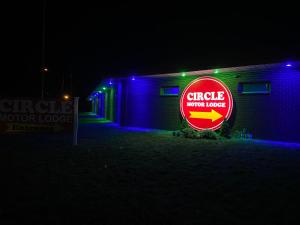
(128, 176)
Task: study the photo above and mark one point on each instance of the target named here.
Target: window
(254, 87)
(169, 91)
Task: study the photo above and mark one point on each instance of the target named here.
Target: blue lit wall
(272, 116)
(146, 108)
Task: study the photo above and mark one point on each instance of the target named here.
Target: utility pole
(62, 88)
(71, 83)
(44, 70)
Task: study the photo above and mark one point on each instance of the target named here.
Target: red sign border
(227, 91)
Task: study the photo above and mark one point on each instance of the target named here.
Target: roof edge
(210, 71)
(220, 70)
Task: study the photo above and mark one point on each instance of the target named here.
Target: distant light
(110, 83)
(288, 65)
(45, 70)
(100, 92)
(104, 88)
(90, 99)
(183, 74)
(216, 71)
(132, 78)
(66, 97)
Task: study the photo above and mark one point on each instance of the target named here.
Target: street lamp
(66, 97)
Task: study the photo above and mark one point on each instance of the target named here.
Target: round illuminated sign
(205, 103)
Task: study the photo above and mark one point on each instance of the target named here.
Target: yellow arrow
(213, 115)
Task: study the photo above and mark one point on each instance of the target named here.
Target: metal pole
(71, 84)
(75, 122)
(43, 69)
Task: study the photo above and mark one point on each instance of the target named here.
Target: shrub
(243, 134)
(189, 132)
(184, 124)
(246, 134)
(225, 129)
(208, 134)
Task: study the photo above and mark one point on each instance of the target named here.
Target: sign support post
(75, 123)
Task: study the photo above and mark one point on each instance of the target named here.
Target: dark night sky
(90, 41)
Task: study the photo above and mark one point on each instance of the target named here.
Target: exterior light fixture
(66, 97)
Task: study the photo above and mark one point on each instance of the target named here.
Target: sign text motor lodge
(205, 103)
(35, 115)
(38, 111)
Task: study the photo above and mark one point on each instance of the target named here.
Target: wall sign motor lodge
(205, 103)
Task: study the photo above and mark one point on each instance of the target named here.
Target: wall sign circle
(205, 103)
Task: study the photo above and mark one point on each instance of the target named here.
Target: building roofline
(208, 71)
(220, 70)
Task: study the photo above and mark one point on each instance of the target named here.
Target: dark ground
(122, 176)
